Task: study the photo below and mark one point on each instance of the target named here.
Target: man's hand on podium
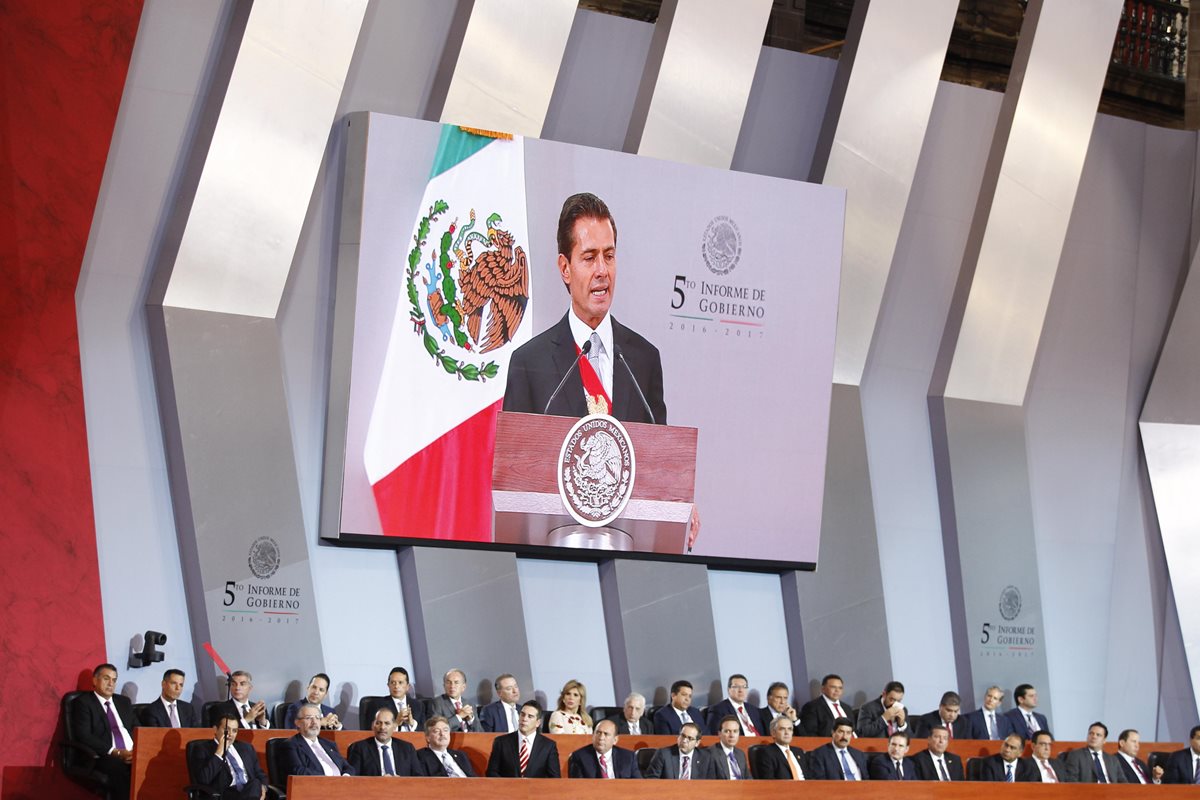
(693, 529)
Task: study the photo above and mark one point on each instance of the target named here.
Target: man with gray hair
(308, 753)
(453, 706)
(630, 723)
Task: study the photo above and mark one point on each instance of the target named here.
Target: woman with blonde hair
(571, 715)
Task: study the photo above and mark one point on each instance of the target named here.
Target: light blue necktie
(846, 769)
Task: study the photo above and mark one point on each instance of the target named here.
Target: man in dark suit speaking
(587, 261)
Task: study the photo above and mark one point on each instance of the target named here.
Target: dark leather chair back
(644, 756)
(78, 761)
(206, 712)
(277, 764)
(754, 757)
(367, 706)
(604, 712)
(278, 715)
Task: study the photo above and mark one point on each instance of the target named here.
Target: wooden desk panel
(309, 788)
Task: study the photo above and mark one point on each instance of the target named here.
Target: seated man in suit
(437, 760)
(409, 716)
(838, 761)
(934, 763)
(307, 753)
(103, 722)
(817, 715)
(947, 715)
(453, 706)
(670, 718)
(382, 754)
(1008, 766)
(1024, 719)
(226, 766)
(602, 758)
(1091, 764)
(314, 694)
(631, 721)
(894, 766)
(502, 715)
(988, 722)
(1183, 766)
(252, 715)
(780, 761)
(168, 711)
(682, 760)
(523, 753)
(729, 763)
(1129, 743)
(885, 715)
(735, 704)
(1048, 768)
(778, 697)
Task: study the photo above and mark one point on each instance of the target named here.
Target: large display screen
(449, 263)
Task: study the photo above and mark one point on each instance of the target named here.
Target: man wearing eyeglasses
(682, 760)
(735, 704)
(308, 753)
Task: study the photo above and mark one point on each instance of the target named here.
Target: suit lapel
(563, 358)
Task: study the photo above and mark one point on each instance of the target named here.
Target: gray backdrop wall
(1112, 640)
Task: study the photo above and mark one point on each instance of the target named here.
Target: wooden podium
(529, 510)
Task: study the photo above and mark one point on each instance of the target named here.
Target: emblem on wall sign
(1010, 603)
(721, 245)
(595, 470)
(264, 557)
(469, 276)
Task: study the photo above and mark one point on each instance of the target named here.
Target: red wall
(62, 71)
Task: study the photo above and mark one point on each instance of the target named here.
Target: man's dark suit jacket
(665, 764)
(927, 770)
(443, 706)
(1004, 725)
(367, 715)
(827, 766)
(583, 763)
(720, 763)
(816, 717)
(505, 761)
(90, 724)
(215, 773)
(90, 721)
(538, 365)
(434, 768)
(293, 711)
(1018, 721)
(230, 707)
(1131, 775)
(301, 761)
(882, 768)
(1178, 768)
(363, 756)
(155, 715)
(1056, 764)
(922, 725)
(645, 726)
(771, 765)
(725, 708)
(869, 720)
(494, 717)
(1080, 768)
(992, 769)
(666, 720)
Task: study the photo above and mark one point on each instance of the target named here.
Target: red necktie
(524, 755)
(838, 709)
(746, 723)
(603, 766)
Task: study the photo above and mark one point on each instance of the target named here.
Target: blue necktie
(1008, 774)
(734, 769)
(239, 776)
(388, 767)
(846, 770)
(1097, 768)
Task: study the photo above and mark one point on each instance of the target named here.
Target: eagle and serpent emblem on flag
(467, 275)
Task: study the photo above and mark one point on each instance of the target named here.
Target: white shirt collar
(580, 332)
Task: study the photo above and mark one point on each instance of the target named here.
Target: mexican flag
(467, 306)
